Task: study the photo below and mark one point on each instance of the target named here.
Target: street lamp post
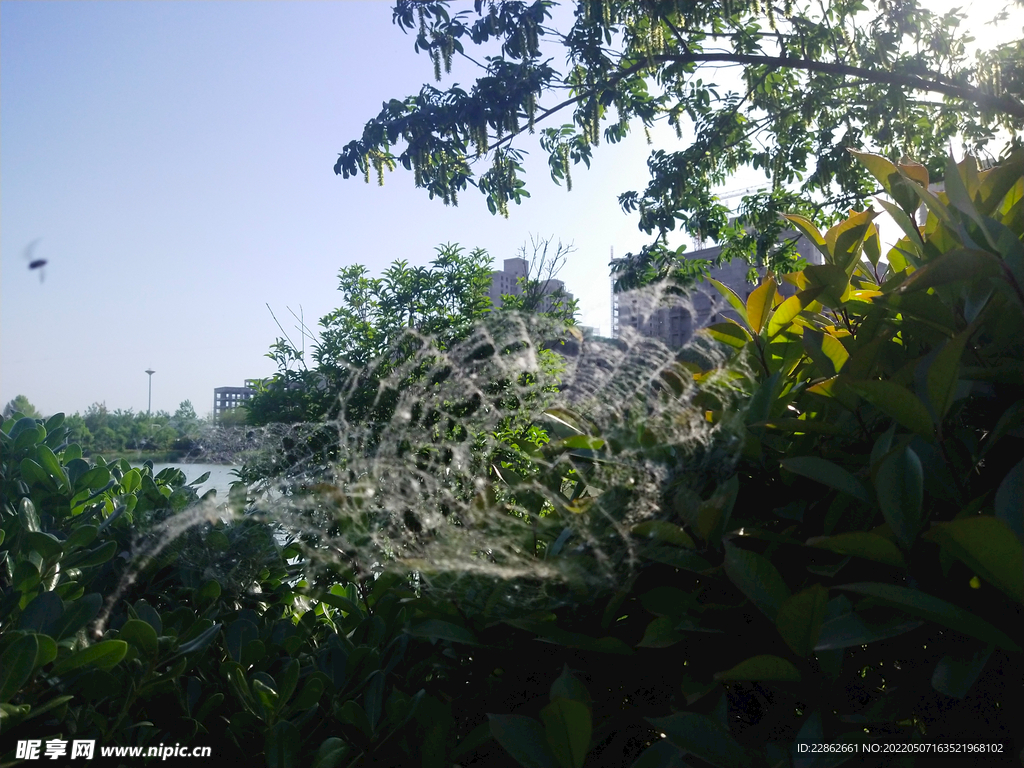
(149, 407)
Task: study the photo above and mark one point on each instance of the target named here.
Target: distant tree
(78, 431)
(535, 292)
(20, 404)
(233, 417)
(376, 316)
(185, 420)
(96, 416)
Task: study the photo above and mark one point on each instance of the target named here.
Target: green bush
(840, 562)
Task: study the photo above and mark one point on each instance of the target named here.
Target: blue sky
(175, 160)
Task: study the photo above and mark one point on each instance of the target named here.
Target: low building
(228, 398)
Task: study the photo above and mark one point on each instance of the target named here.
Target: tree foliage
(382, 321)
(784, 88)
(20, 404)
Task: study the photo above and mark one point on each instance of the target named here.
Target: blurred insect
(35, 263)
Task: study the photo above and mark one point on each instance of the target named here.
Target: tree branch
(1005, 104)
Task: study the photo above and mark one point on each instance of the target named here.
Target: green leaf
(904, 222)
(52, 466)
(702, 737)
(757, 578)
(266, 696)
(201, 479)
(140, 634)
(77, 615)
(568, 728)
(713, 514)
(566, 686)
(800, 618)
(548, 631)
(734, 300)
(962, 264)
(131, 482)
(47, 650)
(97, 556)
(826, 473)
(943, 373)
(27, 515)
(46, 544)
(933, 609)
(852, 630)
(898, 403)
(331, 754)
(282, 745)
(16, 665)
(760, 668)
(989, 547)
(199, 642)
(81, 536)
(956, 673)
(845, 239)
(1009, 504)
(43, 614)
(309, 695)
(436, 629)
(861, 544)
(661, 754)
(664, 533)
(95, 478)
(339, 602)
(760, 303)
(524, 738)
(104, 655)
(899, 484)
(660, 633)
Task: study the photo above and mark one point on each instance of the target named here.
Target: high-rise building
(674, 325)
(507, 281)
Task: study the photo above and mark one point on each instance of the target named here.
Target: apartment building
(507, 281)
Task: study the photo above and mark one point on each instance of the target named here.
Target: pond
(221, 475)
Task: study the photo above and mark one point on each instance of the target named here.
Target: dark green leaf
(283, 745)
(568, 728)
(103, 655)
(799, 619)
(757, 578)
(523, 738)
(933, 609)
(899, 484)
(765, 667)
(827, 473)
(16, 665)
(702, 737)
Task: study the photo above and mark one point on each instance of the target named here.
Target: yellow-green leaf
(809, 231)
(731, 333)
(760, 303)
